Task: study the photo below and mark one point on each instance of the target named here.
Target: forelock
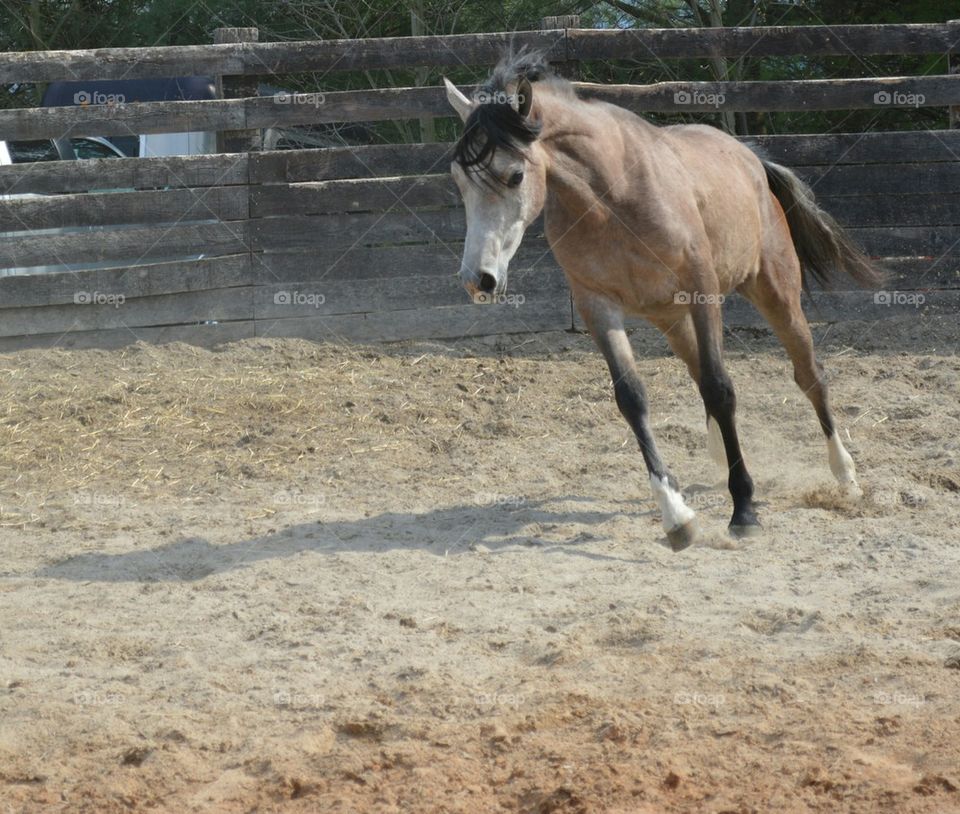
(494, 124)
(490, 127)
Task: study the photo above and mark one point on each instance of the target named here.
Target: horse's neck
(586, 159)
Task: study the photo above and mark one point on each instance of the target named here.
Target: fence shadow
(450, 531)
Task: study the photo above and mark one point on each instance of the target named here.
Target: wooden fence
(363, 243)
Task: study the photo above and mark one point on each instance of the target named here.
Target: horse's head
(498, 167)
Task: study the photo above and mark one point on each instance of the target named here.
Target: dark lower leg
(720, 402)
(632, 403)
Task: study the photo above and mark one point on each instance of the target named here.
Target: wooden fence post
(428, 131)
(953, 66)
(237, 87)
(567, 68)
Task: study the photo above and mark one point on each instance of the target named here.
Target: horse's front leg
(605, 322)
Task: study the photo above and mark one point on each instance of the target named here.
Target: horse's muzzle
(483, 287)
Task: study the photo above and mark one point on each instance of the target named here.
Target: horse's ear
(457, 100)
(524, 97)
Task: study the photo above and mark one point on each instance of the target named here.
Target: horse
(659, 222)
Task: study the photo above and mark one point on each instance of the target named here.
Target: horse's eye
(515, 179)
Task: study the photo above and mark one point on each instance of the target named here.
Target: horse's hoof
(851, 489)
(741, 531)
(681, 537)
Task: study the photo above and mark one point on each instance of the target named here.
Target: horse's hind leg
(720, 401)
(605, 322)
(776, 295)
(682, 337)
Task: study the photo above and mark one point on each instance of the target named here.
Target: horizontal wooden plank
(361, 195)
(903, 225)
(400, 194)
(920, 146)
(405, 103)
(274, 57)
(838, 306)
(108, 208)
(223, 114)
(108, 309)
(136, 281)
(367, 161)
(360, 264)
(833, 306)
(206, 336)
(762, 41)
(124, 173)
(394, 293)
(128, 245)
(335, 238)
(792, 150)
(894, 210)
(882, 179)
(805, 94)
(122, 119)
(365, 263)
(471, 49)
(345, 232)
(911, 273)
(228, 203)
(449, 322)
(907, 241)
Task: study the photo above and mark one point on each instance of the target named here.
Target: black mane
(494, 124)
(491, 126)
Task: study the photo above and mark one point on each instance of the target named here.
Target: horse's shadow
(443, 531)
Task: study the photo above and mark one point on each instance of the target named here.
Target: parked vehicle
(60, 94)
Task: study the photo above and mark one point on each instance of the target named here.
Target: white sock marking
(715, 443)
(674, 511)
(841, 464)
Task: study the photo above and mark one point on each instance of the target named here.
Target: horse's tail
(825, 250)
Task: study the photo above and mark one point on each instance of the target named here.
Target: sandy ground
(430, 578)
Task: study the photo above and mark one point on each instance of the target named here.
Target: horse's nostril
(487, 282)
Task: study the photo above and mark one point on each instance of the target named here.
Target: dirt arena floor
(429, 577)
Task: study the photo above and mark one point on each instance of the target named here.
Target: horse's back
(733, 196)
